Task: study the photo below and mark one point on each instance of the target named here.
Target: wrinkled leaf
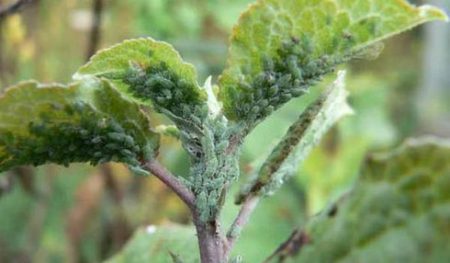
(88, 122)
(160, 244)
(149, 71)
(294, 147)
(398, 211)
(279, 47)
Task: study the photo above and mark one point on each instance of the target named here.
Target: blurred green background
(87, 214)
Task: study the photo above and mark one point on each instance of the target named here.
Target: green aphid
(285, 97)
(128, 140)
(151, 82)
(186, 109)
(127, 153)
(116, 136)
(263, 103)
(244, 85)
(260, 80)
(268, 64)
(284, 81)
(196, 120)
(136, 148)
(112, 146)
(137, 170)
(183, 84)
(79, 106)
(165, 83)
(114, 126)
(97, 154)
(177, 94)
(96, 140)
(105, 159)
(307, 44)
(273, 90)
(84, 133)
(297, 92)
(258, 94)
(255, 109)
(160, 100)
(72, 148)
(221, 147)
(166, 92)
(270, 78)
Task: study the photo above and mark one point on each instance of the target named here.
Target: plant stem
(94, 35)
(212, 245)
(172, 182)
(241, 220)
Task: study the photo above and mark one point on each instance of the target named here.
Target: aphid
(255, 109)
(127, 153)
(263, 103)
(222, 146)
(96, 139)
(97, 154)
(112, 146)
(128, 140)
(297, 92)
(273, 90)
(245, 85)
(115, 136)
(268, 64)
(160, 100)
(284, 80)
(285, 97)
(258, 93)
(196, 120)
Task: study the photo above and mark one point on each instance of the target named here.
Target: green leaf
(147, 71)
(81, 122)
(296, 144)
(279, 48)
(398, 211)
(160, 244)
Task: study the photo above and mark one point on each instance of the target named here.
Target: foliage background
(86, 214)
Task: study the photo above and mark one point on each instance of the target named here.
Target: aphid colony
(165, 89)
(87, 137)
(287, 75)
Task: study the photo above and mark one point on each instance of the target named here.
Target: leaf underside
(399, 211)
(303, 134)
(88, 122)
(280, 48)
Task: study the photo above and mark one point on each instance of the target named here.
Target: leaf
(160, 244)
(398, 211)
(81, 122)
(294, 147)
(147, 71)
(279, 48)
